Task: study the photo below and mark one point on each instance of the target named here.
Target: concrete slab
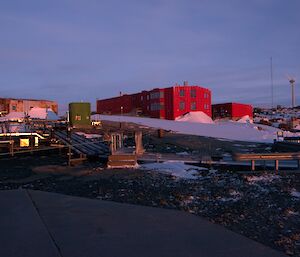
(22, 232)
(90, 228)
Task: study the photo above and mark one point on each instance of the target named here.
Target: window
(193, 92)
(157, 106)
(142, 98)
(14, 108)
(154, 95)
(206, 106)
(181, 106)
(193, 106)
(154, 107)
(161, 94)
(181, 92)
(205, 95)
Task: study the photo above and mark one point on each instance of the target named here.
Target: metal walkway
(82, 145)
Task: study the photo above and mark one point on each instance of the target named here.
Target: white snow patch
(268, 178)
(245, 119)
(89, 136)
(183, 154)
(235, 196)
(197, 117)
(13, 116)
(295, 193)
(42, 113)
(229, 199)
(177, 169)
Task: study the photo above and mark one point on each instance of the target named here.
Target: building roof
(25, 99)
(227, 103)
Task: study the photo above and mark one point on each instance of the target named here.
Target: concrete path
(34, 223)
(22, 233)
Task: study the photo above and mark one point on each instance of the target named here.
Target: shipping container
(233, 111)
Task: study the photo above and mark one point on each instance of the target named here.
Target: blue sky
(72, 50)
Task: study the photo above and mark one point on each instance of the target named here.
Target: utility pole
(292, 82)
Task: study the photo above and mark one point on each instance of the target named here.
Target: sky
(79, 50)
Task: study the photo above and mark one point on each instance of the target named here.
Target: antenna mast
(272, 86)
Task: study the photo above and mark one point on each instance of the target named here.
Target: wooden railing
(267, 157)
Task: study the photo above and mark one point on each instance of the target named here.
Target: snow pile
(42, 113)
(234, 196)
(224, 130)
(198, 117)
(89, 136)
(268, 178)
(245, 119)
(13, 116)
(51, 115)
(177, 169)
(13, 128)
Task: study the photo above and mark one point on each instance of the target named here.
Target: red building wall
(116, 105)
(165, 103)
(231, 110)
(195, 99)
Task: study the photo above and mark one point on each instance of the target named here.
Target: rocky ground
(264, 207)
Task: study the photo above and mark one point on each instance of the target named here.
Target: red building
(165, 103)
(232, 111)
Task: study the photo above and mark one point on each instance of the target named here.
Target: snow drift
(197, 117)
(224, 130)
(42, 113)
(245, 119)
(13, 116)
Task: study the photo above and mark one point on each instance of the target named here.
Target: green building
(80, 114)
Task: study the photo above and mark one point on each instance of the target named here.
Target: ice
(177, 169)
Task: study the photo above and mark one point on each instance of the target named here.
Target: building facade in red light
(164, 103)
(233, 111)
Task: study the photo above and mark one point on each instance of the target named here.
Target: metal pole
(69, 162)
(293, 94)
(276, 165)
(272, 87)
(252, 165)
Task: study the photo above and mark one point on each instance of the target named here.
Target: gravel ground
(265, 208)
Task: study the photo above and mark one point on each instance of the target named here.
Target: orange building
(8, 105)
